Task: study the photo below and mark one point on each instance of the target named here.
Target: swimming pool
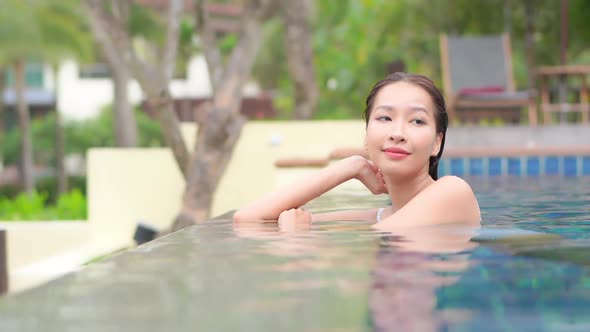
(526, 270)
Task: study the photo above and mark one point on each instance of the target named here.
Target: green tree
(295, 15)
(216, 140)
(2, 88)
(40, 31)
(143, 25)
(355, 40)
(81, 135)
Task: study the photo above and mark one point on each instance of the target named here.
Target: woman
(406, 123)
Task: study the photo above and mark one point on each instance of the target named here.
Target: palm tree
(2, 87)
(43, 31)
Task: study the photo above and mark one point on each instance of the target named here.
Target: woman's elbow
(242, 216)
(238, 216)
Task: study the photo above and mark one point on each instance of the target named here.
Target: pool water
(527, 269)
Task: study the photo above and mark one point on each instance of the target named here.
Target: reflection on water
(525, 270)
(405, 269)
(408, 271)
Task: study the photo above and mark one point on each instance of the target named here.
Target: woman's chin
(396, 171)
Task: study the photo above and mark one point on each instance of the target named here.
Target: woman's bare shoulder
(448, 200)
(455, 184)
(452, 192)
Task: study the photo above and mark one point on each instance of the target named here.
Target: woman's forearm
(269, 207)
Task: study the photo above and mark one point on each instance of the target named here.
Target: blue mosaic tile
(514, 166)
(476, 166)
(586, 165)
(570, 166)
(533, 166)
(457, 166)
(551, 166)
(494, 166)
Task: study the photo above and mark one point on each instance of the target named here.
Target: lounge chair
(478, 79)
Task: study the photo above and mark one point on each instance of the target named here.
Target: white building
(79, 96)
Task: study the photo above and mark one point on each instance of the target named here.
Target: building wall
(82, 98)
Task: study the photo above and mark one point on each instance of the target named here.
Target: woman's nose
(397, 138)
(397, 134)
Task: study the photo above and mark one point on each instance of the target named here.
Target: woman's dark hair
(441, 116)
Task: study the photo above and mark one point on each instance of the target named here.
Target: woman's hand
(370, 176)
(294, 216)
(294, 220)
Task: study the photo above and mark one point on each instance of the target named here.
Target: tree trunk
(125, 125)
(212, 154)
(529, 15)
(172, 38)
(209, 47)
(2, 106)
(27, 170)
(111, 33)
(507, 15)
(160, 99)
(60, 169)
(298, 41)
(217, 139)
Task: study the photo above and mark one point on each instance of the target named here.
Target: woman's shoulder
(452, 191)
(453, 185)
(451, 179)
(455, 194)
(450, 199)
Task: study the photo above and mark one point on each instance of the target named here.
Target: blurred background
(51, 58)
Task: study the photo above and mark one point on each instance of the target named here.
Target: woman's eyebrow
(419, 109)
(414, 108)
(385, 107)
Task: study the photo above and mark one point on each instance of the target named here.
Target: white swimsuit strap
(380, 214)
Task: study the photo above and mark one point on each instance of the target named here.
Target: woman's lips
(396, 153)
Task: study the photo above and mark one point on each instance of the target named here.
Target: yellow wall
(129, 185)
(28, 242)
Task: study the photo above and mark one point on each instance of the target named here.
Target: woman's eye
(383, 118)
(418, 121)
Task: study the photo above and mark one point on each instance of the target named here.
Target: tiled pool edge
(530, 162)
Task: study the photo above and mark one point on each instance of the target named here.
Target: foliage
(70, 206)
(79, 136)
(354, 41)
(145, 22)
(227, 44)
(43, 30)
(23, 207)
(46, 185)
(187, 47)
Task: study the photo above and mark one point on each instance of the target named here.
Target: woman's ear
(437, 144)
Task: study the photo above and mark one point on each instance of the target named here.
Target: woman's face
(401, 131)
